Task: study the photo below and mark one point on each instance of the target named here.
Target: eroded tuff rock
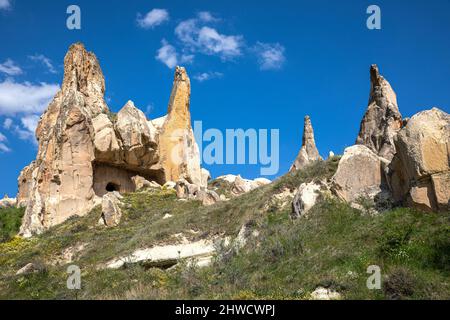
(180, 155)
(308, 152)
(382, 120)
(111, 212)
(420, 171)
(7, 202)
(306, 197)
(359, 175)
(85, 151)
(186, 190)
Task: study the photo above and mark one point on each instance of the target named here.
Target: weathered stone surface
(138, 137)
(142, 183)
(419, 174)
(85, 151)
(27, 269)
(7, 202)
(180, 155)
(308, 152)
(306, 197)
(322, 293)
(240, 185)
(359, 174)
(165, 256)
(107, 146)
(111, 212)
(186, 190)
(382, 120)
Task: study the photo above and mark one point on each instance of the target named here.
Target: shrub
(10, 221)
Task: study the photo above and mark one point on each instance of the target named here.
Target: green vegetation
(285, 259)
(10, 220)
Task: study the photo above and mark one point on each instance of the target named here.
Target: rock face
(420, 171)
(359, 174)
(180, 155)
(111, 212)
(186, 190)
(382, 119)
(308, 152)
(85, 151)
(306, 197)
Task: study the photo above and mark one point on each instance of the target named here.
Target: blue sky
(253, 64)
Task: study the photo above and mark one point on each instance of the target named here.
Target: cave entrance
(111, 186)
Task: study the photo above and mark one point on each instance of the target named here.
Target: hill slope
(282, 259)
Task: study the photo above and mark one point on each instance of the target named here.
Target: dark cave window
(110, 187)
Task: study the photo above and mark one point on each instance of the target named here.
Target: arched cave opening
(111, 186)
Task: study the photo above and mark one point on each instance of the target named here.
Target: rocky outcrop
(308, 152)
(306, 197)
(165, 256)
(420, 170)
(111, 212)
(359, 175)
(239, 185)
(382, 120)
(7, 202)
(186, 190)
(180, 155)
(85, 151)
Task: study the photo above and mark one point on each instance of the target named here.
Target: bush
(400, 284)
(10, 221)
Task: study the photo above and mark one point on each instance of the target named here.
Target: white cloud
(25, 98)
(153, 18)
(3, 146)
(206, 16)
(270, 56)
(10, 68)
(30, 122)
(207, 76)
(45, 61)
(7, 123)
(5, 4)
(200, 38)
(168, 55)
(213, 42)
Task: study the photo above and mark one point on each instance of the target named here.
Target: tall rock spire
(382, 120)
(179, 152)
(308, 152)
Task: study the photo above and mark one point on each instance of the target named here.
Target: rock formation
(420, 170)
(308, 152)
(85, 151)
(7, 202)
(111, 212)
(382, 120)
(186, 190)
(359, 175)
(306, 197)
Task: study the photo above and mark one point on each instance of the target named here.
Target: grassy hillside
(285, 259)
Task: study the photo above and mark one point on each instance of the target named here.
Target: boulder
(322, 293)
(359, 175)
(142, 183)
(138, 137)
(419, 174)
(111, 212)
(308, 152)
(382, 119)
(306, 197)
(186, 190)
